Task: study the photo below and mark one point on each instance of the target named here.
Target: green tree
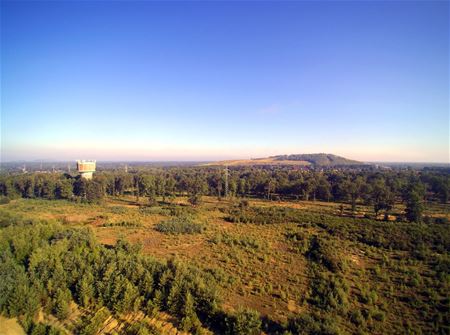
(63, 189)
(126, 297)
(80, 187)
(94, 324)
(94, 191)
(323, 189)
(189, 318)
(85, 290)
(48, 189)
(307, 187)
(242, 187)
(381, 197)
(413, 195)
(353, 189)
(61, 307)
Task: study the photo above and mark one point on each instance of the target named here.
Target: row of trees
(382, 189)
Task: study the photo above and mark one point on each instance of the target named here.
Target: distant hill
(318, 160)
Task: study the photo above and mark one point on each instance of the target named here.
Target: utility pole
(226, 181)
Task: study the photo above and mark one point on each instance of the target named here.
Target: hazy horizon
(49, 160)
(203, 81)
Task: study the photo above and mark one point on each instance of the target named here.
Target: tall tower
(86, 168)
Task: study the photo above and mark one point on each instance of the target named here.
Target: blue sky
(212, 80)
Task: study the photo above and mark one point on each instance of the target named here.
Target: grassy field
(384, 279)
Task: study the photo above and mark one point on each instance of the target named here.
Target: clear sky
(137, 80)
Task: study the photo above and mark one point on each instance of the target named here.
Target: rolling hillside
(318, 160)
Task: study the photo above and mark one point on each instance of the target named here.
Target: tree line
(380, 188)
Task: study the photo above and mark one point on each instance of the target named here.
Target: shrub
(244, 322)
(329, 291)
(122, 224)
(322, 251)
(299, 241)
(176, 210)
(153, 210)
(4, 200)
(179, 225)
(245, 242)
(357, 318)
(141, 328)
(9, 218)
(195, 199)
(313, 324)
(441, 220)
(378, 315)
(244, 204)
(118, 210)
(263, 215)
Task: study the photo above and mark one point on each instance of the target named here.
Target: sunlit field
(342, 268)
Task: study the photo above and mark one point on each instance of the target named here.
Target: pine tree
(189, 321)
(62, 303)
(414, 207)
(85, 290)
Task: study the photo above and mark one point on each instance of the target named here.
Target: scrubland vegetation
(285, 252)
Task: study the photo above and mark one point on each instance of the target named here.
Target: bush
(329, 291)
(9, 218)
(154, 210)
(244, 322)
(299, 241)
(195, 199)
(179, 225)
(263, 215)
(357, 318)
(322, 251)
(313, 324)
(4, 200)
(177, 210)
(441, 220)
(378, 315)
(118, 210)
(245, 242)
(122, 224)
